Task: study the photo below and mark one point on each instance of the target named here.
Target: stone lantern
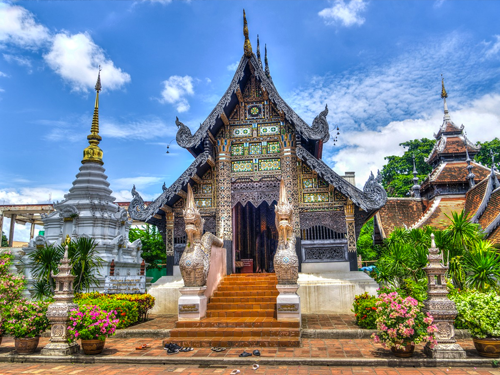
(58, 311)
(441, 308)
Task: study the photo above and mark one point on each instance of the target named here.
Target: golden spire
(247, 47)
(444, 94)
(93, 153)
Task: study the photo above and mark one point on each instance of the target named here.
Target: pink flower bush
(91, 323)
(400, 322)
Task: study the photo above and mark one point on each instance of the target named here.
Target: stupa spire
(444, 95)
(416, 186)
(93, 153)
(248, 46)
(268, 73)
(470, 175)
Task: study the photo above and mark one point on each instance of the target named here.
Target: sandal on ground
(170, 351)
(245, 354)
(256, 352)
(255, 366)
(235, 372)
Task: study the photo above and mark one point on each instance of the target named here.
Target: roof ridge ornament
(444, 95)
(258, 51)
(247, 46)
(470, 175)
(416, 186)
(268, 73)
(93, 153)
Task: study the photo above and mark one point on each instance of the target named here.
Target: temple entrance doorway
(255, 237)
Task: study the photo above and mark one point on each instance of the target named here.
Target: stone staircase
(242, 313)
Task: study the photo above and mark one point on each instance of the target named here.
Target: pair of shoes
(245, 354)
(172, 348)
(256, 352)
(235, 372)
(217, 349)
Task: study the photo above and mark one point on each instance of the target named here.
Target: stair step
(246, 287)
(245, 299)
(267, 313)
(242, 342)
(249, 294)
(235, 332)
(248, 322)
(242, 306)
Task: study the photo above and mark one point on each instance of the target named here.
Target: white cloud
(76, 59)
(364, 150)
(142, 129)
(140, 182)
(346, 14)
(27, 195)
(233, 67)
(2, 74)
(495, 48)
(175, 91)
(18, 26)
(438, 3)
(158, 1)
(19, 60)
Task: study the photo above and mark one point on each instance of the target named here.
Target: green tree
(45, 261)
(5, 242)
(484, 155)
(86, 262)
(365, 245)
(397, 174)
(153, 247)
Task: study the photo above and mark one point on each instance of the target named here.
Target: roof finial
(247, 47)
(444, 95)
(470, 175)
(268, 73)
(416, 186)
(93, 153)
(258, 51)
(493, 174)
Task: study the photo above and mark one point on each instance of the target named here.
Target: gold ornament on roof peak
(93, 153)
(444, 94)
(248, 46)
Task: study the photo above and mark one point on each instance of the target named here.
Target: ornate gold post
(223, 217)
(169, 241)
(351, 235)
(289, 173)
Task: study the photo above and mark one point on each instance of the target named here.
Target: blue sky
(377, 65)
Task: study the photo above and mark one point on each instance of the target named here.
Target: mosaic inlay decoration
(242, 166)
(203, 202)
(269, 129)
(322, 183)
(242, 132)
(308, 183)
(339, 196)
(237, 149)
(255, 149)
(207, 189)
(315, 197)
(255, 111)
(269, 164)
(273, 147)
(306, 169)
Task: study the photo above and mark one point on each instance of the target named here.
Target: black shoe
(256, 352)
(245, 354)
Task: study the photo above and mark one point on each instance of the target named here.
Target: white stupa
(88, 210)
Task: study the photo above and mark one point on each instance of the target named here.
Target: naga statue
(195, 261)
(286, 262)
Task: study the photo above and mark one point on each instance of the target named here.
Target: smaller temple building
(456, 183)
(89, 210)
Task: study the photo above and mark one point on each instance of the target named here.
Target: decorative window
(315, 197)
(269, 164)
(204, 202)
(242, 132)
(237, 149)
(255, 149)
(242, 166)
(207, 189)
(269, 129)
(273, 147)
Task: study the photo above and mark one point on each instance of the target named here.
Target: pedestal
(192, 303)
(288, 302)
(58, 316)
(445, 351)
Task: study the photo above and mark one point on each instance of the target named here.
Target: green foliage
(126, 312)
(26, 319)
(153, 247)
(482, 269)
(364, 309)
(85, 262)
(45, 261)
(364, 245)
(5, 242)
(484, 156)
(478, 312)
(397, 173)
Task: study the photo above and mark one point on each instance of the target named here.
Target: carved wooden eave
(315, 134)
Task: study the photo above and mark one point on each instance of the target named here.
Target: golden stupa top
(93, 153)
(247, 47)
(444, 94)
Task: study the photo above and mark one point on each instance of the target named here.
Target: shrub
(26, 319)
(364, 309)
(91, 323)
(11, 286)
(478, 312)
(126, 312)
(401, 322)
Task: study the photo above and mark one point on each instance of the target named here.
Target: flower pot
(26, 345)
(489, 347)
(404, 352)
(93, 346)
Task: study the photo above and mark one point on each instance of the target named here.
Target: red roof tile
(398, 212)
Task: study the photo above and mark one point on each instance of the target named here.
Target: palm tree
(45, 262)
(482, 267)
(85, 262)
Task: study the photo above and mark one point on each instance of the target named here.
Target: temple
(456, 183)
(249, 142)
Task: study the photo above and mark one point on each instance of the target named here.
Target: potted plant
(92, 326)
(402, 324)
(26, 320)
(480, 313)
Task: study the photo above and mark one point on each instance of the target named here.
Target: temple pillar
(351, 235)
(223, 216)
(32, 230)
(1, 227)
(11, 232)
(169, 242)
